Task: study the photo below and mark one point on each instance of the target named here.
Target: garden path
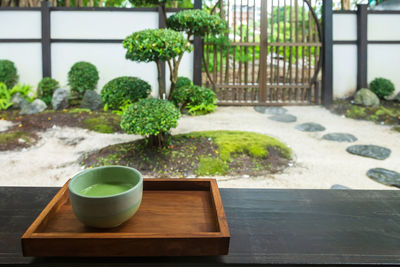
(318, 163)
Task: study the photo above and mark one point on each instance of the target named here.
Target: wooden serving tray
(177, 217)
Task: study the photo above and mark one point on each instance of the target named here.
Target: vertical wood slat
(254, 91)
(327, 73)
(309, 56)
(284, 52)
(277, 51)
(263, 53)
(296, 3)
(46, 39)
(240, 91)
(303, 29)
(231, 90)
(198, 52)
(271, 69)
(290, 98)
(246, 69)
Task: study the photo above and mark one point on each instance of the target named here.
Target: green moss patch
(387, 113)
(11, 140)
(103, 123)
(199, 153)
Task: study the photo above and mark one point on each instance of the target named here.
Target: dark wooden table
(267, 227)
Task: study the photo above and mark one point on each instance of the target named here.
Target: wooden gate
(269, 56)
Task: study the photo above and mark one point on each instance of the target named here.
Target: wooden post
(362, 46)
(198, 52)
(161, 25)
(262, 86)
(46, 41)
(327, 54)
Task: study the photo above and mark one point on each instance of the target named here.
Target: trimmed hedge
(8, 73)
(83, 76)
(119, 91)
(46, 88)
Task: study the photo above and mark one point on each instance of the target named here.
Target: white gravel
(318, 163)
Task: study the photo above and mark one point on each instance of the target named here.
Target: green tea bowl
(105, 197)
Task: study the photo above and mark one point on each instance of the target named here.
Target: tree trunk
(159, 140)
(345, 4)
(161, 85)
(67, 3)
(164, 11)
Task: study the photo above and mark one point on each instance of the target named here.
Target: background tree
(157, 45)
(194, 22)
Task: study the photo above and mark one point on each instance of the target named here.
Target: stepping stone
(310, 127)
(340, 137)
(370, 151)
(339, 187)
(283, 118)
(270, 110)
(384, 176)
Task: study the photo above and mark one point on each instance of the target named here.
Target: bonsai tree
(157, 45)
(161, 3)
(152, 118)
(194, 22)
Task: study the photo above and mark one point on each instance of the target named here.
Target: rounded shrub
(183, 81)
(196, 22)
(201, 101)
(46, 88)
(382, 87)
(8, 73)
(182, 92)
(82, 76)
(196, 99)
(150, 116)
(122, 90)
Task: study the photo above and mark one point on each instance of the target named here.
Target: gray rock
(340, 137)
(283, 118)
(366, 97)
(35, 107)
(18, 101)
(384, 176)
(91, 100)
(339, 187)
(270, 110)
(310, 127)
(60, 99)
(397, 97)
(370, 151)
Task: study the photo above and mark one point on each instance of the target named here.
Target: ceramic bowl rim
(71, 190)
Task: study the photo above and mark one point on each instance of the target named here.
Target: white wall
(100, 24)
(344, 56)
(26, 56)
(384, 61)
(109, 58)
(383, 27)
(344, 27)
(20, 24)
(344, 70)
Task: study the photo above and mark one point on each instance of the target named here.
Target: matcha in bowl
(105, 197)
